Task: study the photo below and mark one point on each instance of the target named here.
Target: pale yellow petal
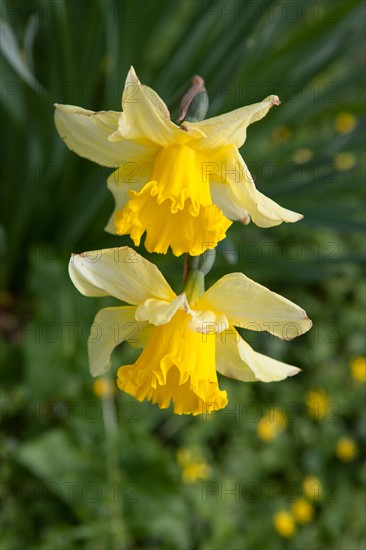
(131, 176)
(111, 327)
(224, 196)
(232, 127)
(159, 312)
(118, 272)
(230, 172)
(252, 306)
(228, 360)
(145, 116)
(265, 368)
(86, 133)
(156, 100)
(236, 359)
(269, 214)
(207, 321)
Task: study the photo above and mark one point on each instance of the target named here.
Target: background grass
(71, 479)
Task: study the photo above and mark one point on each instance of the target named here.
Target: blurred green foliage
(68, 479)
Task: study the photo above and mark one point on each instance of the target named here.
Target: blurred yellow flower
(358, 368)
(185, 339)
(317, 402)
(271, 425)
(303, 511)
(284, 524)
(181, 185)
(194, 467)
(281, 134)
(345, 122)
(345, 161)
(302, 155)
(346, 449)
(312, 487)
(103, 387)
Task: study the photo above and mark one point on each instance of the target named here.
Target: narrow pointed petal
(131, 176)
(240, 194)
(252, 306)
(111, 327)
(225, 197)
(86, 133)
(236, 359)
(154, 98)
(118, 272)
(232, 127)
(145, 115)
(269, 214)
(228, 360)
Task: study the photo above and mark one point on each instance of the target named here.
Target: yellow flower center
(175, 207)
(176, 365)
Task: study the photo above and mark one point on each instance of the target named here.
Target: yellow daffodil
(303, 510)
(180, 184)
(194, 467)
(312, 487)
(346, 449)
(345, 122)
(317, 402)
(302, 155)
(271, 425)
(284, 524)
(358, 368)
(345, 161)
(103, 387)
(185, 338)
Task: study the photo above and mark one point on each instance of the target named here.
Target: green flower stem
(196, 102)
(195, 285)
(195, 269)
(118, 531)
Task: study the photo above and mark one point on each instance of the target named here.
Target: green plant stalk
(118, 529)
(195, 103)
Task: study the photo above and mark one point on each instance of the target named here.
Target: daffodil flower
(180, 184)
(186, 339)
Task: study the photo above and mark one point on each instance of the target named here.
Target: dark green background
(66, 482)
